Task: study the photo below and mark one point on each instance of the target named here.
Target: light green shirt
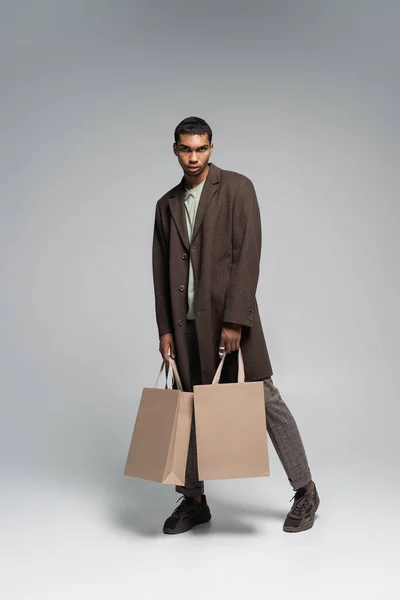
(192, 198)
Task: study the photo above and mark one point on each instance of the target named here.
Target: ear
(175, 149)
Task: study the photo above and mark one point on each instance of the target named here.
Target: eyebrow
(202, 146)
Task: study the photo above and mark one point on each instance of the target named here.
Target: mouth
(193, 168)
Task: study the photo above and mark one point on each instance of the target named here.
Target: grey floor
(102, 541)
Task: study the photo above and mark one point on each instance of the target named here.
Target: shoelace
(182, 505)
(301, 503)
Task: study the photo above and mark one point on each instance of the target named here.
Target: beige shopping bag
(231, 428)
(160, 440)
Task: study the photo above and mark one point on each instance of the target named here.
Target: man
(206, 255)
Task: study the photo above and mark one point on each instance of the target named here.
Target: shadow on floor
(141, 507)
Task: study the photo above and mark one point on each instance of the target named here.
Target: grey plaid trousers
(280, 425)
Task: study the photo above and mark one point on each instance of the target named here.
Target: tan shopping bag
(160, 440)
(231, 428)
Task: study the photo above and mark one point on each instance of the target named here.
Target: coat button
(184, 256)
(250, 318)
(180, 323)
(182, 288)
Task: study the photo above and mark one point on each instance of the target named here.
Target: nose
(193, 158)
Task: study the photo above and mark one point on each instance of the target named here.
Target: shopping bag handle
(218, 372)
(166, 364)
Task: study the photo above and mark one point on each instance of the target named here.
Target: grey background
(302, 97)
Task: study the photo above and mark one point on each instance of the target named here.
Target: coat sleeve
(246, 254)
(160, 259)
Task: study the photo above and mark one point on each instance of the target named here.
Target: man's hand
(167, 345)
(230, 338)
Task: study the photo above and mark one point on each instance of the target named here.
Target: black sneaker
(302, 513)
(187, 515)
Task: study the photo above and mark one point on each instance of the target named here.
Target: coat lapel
(177, 206)
(209, 190)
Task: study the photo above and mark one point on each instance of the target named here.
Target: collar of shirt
(195, 191)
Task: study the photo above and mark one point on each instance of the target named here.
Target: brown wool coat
(225, 253)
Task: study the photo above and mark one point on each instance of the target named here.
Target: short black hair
(193, 126)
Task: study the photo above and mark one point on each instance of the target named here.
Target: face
(193, 152)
